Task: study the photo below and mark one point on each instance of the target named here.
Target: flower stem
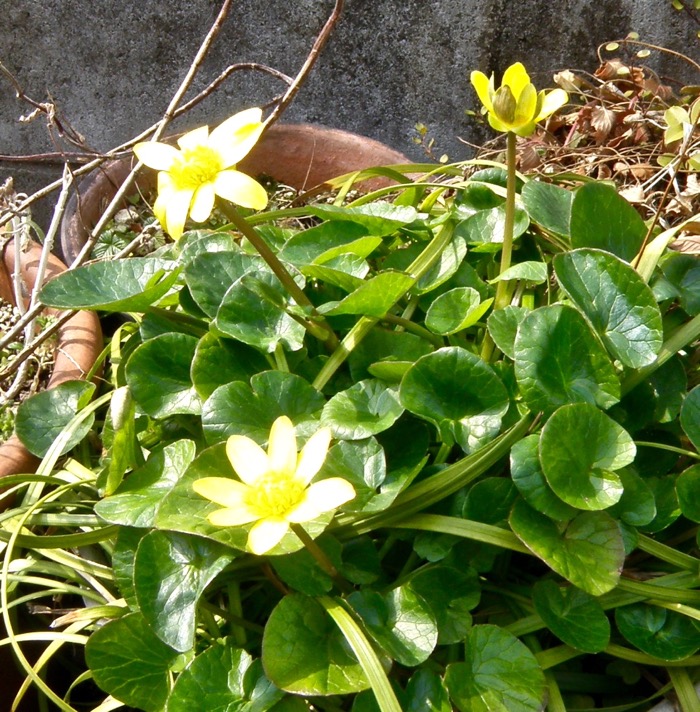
(321, 558)
(502, 292)
(280, 271)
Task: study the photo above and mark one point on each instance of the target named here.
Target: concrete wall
(112, 66)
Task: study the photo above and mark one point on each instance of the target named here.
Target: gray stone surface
(112, 66)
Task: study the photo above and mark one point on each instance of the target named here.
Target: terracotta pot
(302, 156)
(79, 344)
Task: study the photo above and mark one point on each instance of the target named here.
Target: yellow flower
(192, 177)
(516, 105)
(274, 490)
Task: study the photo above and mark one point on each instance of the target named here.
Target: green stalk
(503, 292)
(365, 654)
(685, 690)
(321, 558)
(281, 272)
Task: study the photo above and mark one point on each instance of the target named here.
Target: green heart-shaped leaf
(224, 678)
(459, 393)
(575, 617)
(456, 309)
(500, 673)
(588, 550)
(116, 285)
(41, 418)
(171, 572)
(580, 449)
(658, 632)
(129, 662)
(305, 653)
(400, 621)
(602, 218)
(617, 302)
(558, 360)
(158, 374)
(364, 409)
(548, 205)
(241, 409)
(374, 297)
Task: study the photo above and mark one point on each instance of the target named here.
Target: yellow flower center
(195, 167)
(275, 494)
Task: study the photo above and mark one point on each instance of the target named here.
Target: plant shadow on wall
(431, 446)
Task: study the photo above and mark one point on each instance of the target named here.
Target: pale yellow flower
(192, 177)
(516, 105)
(274, 490)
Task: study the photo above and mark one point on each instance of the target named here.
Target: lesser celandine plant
(350, 457)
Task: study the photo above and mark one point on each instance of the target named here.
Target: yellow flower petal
(313, 455)
(321, 497)
(241, 189)
(526, 107)
(247, 458)
(176, 204)
(517, 78)
(232, 517)
(202, 202)
(156, 155)
(221, 490)
(552, 101)
(483, 87)
(194, 138)
(235, 137)
(266, 534)
(282, 446)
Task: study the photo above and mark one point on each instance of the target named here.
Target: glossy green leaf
(575, 617)
(253, 311)
(223, 678)
(364, 409)
(499, 674)
(690, 416)
(503, 326)
(114, 286)
(347, 272)
(218, 361)
(379, 218)
(688, 490)
(533, 272)
(588, 550)
(136, 501)
(658, 632)
(171, 572)
(123, 449)
(210, 275)
(400, 621)
(682, 273)
(426, 692)
(123, 556)
(445, 266)
(41, 418)
(487, 226)
(305, 653)
(489, 501)
(129, 662)
(459, 393)
(637, 506)
(451, 594)
(309, 245)
(548, 205)
(580, 449)
(527, 475)
(456, 309)
(602, 218)
(241, 409)
(158, 374)
(617, 302)
(668, 507)
(374, 298)
(558, 360)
